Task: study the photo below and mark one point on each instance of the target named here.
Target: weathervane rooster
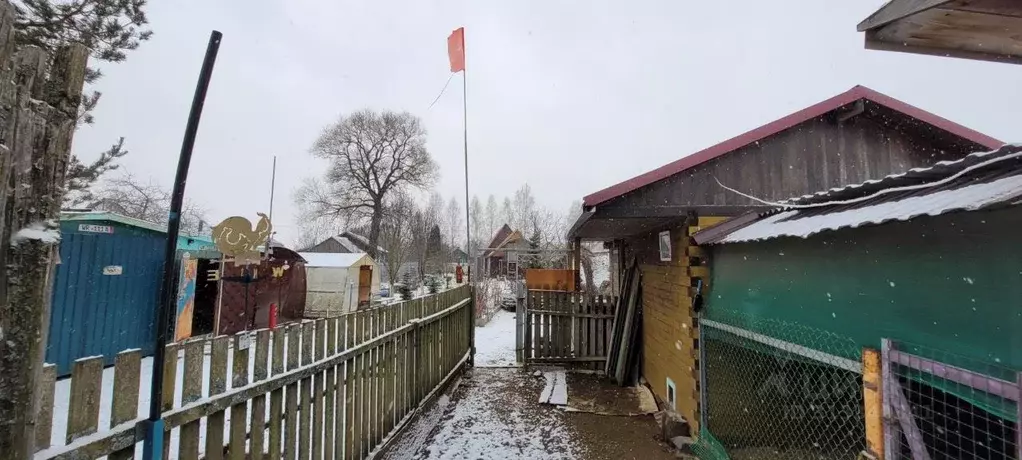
(235, 237)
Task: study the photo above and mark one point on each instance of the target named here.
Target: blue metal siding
(100, 315)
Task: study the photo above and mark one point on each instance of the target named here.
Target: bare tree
(507, 213)
(476, 224)
(396, 233)
(524, 207)
(371, 155)
(312, 230)
(421, 224)
(452, 222)
(492, 215)
(128, 196)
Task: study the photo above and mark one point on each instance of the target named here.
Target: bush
(433, 283)
(405, 288)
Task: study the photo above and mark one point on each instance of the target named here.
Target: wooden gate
(566, 327)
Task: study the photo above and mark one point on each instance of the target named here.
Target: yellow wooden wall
(670, 333)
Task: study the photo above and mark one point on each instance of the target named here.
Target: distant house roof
(512, 238)
(334, 259)
(977, 181)
(774, 127)
(358, 242)
(498, 238)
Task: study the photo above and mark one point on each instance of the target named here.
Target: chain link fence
(945, 405)
(779, 390)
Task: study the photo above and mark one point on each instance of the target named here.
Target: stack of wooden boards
(625, 341)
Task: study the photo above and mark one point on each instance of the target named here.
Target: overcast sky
(570, 99)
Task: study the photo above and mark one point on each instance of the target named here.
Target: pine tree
(109, 28)
(534, 252)
(80, 177)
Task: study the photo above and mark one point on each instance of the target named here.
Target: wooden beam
(872, 402)
(874, 42)
(638, 212)
(895, 10)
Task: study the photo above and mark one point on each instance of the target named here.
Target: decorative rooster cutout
(235, 237)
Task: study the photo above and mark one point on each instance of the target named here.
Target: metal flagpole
(468, 222)
(154, 424)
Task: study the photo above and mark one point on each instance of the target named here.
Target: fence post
(871, 395)
(885, 398)
(1018, 416)
(416, 360)
(472, 326)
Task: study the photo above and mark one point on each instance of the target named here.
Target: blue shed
(106, 288)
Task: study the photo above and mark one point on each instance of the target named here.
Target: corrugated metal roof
(977, 181)
(112, 217)
(332, 260)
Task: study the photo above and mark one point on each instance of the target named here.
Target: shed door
(365, 283)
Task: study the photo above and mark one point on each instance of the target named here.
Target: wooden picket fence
(566, 327)
(325, 389)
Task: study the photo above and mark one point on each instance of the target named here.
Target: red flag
(456, 49)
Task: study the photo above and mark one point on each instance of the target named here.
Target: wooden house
(929, 258)
(850, 138)
(500, 257)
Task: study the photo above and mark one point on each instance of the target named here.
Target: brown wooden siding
(816, 155)
(667, 334)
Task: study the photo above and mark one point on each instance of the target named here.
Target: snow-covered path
(492, 415)
(495, 342)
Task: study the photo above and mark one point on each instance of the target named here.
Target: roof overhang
(610, 223)
(984, 30)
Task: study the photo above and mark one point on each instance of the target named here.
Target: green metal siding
(951, 282)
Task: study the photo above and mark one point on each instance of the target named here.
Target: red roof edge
(781, 124)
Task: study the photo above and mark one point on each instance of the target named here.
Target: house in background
(345, 243)
(850, 138)
(500, 258)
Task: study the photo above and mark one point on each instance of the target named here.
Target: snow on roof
(967, 198)
(976, 181)
(331, 260)
(111, 217)
(361, 240)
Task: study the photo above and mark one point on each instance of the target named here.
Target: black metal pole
(168, 294)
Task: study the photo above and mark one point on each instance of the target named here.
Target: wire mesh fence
(945, 405)
(779, 390)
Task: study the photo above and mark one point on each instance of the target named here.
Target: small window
(665, 246)
(671, 394)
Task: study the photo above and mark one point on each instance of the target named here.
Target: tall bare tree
(453, 226)
(396, 233)
(492, 216)
(476, 224)
(524, 208)
(371, 155)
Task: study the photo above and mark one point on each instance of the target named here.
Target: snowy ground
(493, 413)
(495, 342)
